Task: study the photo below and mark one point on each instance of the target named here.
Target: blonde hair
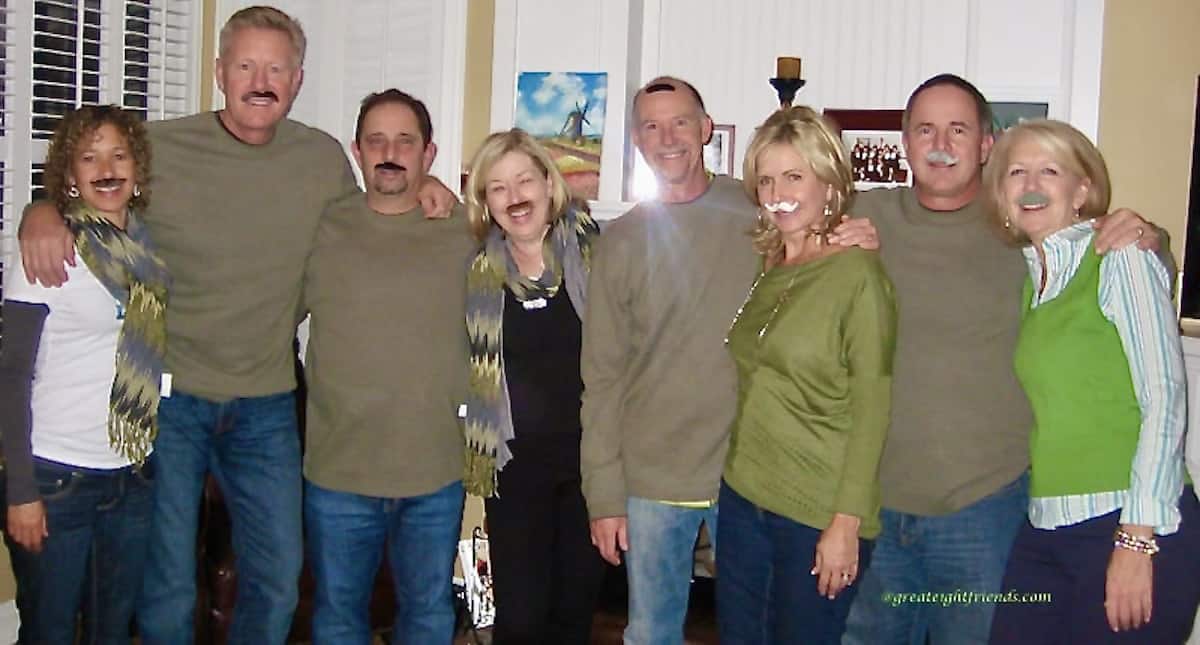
(491, 151)
(262, 17)
(816, 139)
(1069, 147)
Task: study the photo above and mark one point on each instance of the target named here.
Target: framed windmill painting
(565, 112)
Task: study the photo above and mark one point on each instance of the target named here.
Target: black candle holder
(787, 88)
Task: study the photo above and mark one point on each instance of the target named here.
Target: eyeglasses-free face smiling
(1041, 194)
(104, 172)
(789, 191)
(518, 196)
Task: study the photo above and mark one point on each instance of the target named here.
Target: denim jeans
(91, 561)
(965, 551)
(766, 592)
(660, 560)
(252, 447)
(346, 536)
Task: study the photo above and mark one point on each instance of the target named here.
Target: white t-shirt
(75, 367)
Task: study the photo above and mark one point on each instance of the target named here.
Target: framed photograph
(1006, 114)
(872, 140)
(718, 154)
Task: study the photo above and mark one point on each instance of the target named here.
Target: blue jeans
(965, 551)
(347, 535)
(252, 447)
(766, 592)
(91, 561)
(660, 561)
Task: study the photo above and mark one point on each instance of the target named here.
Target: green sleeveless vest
(1071, 363)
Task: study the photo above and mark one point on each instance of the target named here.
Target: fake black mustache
(387, 165)
(260, 95)
(111, 182)
(519, 206)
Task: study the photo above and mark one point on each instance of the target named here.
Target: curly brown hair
(82, 123)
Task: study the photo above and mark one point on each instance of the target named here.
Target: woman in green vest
(1110, 552)
(813, 345)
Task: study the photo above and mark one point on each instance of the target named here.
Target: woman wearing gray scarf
(525, 298)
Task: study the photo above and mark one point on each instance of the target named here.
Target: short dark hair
(394, 95)
(982, 109)
(664, 84)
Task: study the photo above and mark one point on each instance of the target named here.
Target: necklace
(783, 297)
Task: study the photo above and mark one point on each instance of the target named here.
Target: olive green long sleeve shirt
(813, 347)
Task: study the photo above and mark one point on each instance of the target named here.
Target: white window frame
(19, 150)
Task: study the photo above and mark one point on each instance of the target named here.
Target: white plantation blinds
(56, 55)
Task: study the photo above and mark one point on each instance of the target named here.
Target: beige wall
(1148, 104)
(481, 18)
(208, 52)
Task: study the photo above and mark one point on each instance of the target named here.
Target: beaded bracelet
(1125, 540)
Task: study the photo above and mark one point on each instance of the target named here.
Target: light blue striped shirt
(1135, 295)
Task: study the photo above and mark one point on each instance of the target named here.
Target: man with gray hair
(237, 197)
(953, 473)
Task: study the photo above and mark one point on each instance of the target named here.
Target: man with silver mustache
(953, 475)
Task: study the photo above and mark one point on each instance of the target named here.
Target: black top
(541, 365)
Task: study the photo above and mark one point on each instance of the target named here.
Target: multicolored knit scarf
(566, 254)
(125, 263)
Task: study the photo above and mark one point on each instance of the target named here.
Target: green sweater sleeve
(604, 360)
(868, 344)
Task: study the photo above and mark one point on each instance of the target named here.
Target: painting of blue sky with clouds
(564, 111)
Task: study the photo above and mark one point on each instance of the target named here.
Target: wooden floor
(611, 617)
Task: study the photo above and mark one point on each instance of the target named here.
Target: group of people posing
(971, 385)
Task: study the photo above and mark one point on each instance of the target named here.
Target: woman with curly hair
(80, 376)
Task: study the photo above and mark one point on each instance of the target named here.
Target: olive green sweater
(234, 224)
(387, 355)
(813, 347)
(659, 387)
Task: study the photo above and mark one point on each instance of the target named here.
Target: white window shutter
(56, 55)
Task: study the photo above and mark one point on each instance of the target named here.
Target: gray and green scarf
(125, 263)
(566, 254)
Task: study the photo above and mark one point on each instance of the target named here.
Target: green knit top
(1073, 367)
(813, 347)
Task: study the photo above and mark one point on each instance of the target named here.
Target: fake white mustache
(781, 207)
(1033, 199)
(941, 157)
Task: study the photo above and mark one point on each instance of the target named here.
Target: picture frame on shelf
(720, 149)
(873, 142)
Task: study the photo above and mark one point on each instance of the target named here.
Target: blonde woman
(525, 297)
(813, 346)
(1113, 537)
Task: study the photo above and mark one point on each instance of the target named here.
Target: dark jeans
(546, 574)
(766, 592)
(347, 534)
(91, 561)
(252, 447)
(1071, 563)
(961, 553)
